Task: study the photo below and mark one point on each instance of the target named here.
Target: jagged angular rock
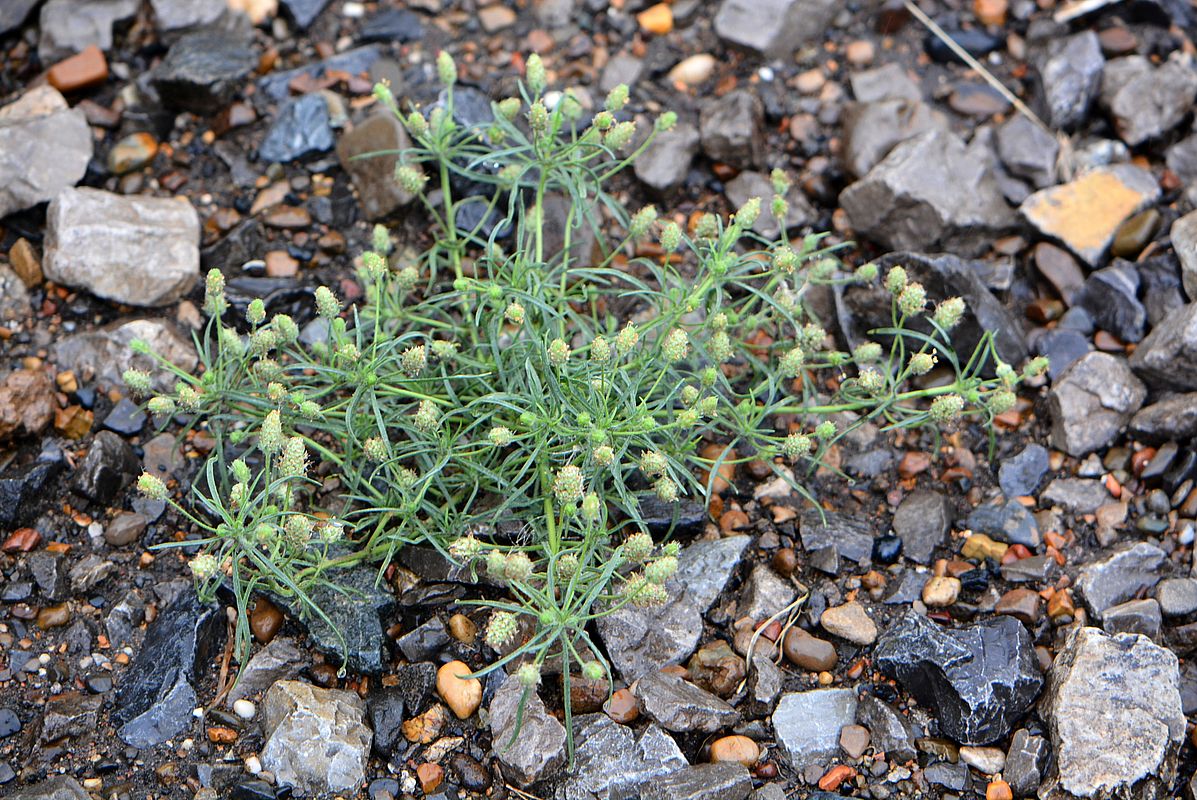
(640, 640)
(14, 13)
(174, 16)
(749, 184)
(302, 128)
(930, 192)
(1092, 401)
(1120, 576)
(889, 730)
(1110, 295)
(105, 353)
(808, 724)
(59, 787)
(1022, 474)
(730, 128)
(155, 695)
(44, 148)
(702, 782)
(765, 593)
(1028, 151)
(922, 521)
(109, 466)
(612, 760)
(792, 23)
(873, 129)
(680, 706)
(1174, 418)
(1146, 101)
(528, 741)
(1085, 214)
(279, 660)
(203, 70)
(68, 26)
(1184, 241)
(1113, 711)
(1069, 73)
(1167, 357)
(143, 251)
(317, 739)
(1078, 495)
(664, 164)
(844, 535)
(374, 177)
(1026, 761)
(980, 679)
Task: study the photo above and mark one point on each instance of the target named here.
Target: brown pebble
(785, 561)
(288, 217)
(622, 707)
(265, 620)
(999, 790)
(427, 727)
(79, 71)
(431, 777)
(222, 735)
(462, 628)
(808, 652)
(1023, 604)
(26, 263)
(22, 540)
(280, 264)
(736, 750)
(54, 616)
(716, 668)
(324, 675)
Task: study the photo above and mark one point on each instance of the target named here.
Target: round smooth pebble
(693, 70)
(851, 622)
(988, 760)
(253, 765)
(808, 652)
(735, 749)
(462, 695)
(941, 591)
(860, 53)
(244, 709)
(854, 740)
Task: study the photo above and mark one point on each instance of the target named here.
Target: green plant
(511, 374)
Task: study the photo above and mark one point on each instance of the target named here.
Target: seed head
(465, 548)
(152, 486)
(240, 470)
(309, 409)
(780, 208)
(538, 116)
(417, 124)
(327, 304)
(671, 237)
(496, 563)
(383, 94)
(255, 314)
(558, 352)
(270, 435)
(410, 179)
(642, 221)
(593, 670)
(796, 445)
(912, 300)
(294, 460)
(298, 530)
(792, 362)
(604, 456)
(666, 489)
(285, 328)
(666, 122)
(949, 313)
(946, 408)
(138, 381)
(871, 380)
(617, 98)
(749, 212)
(214, 302)
(867, 353)
(567, 566)
(1005, 373)
(426, 418)
(509, 108)
(653, 462)
(895, 280)
(414, 360)
(528, 675)
(638, 547)
(627, 338)
(825, 430)
(922, 363)
(446, 69)
(866, 273)
(620, 135)
(204, 566)
(500, 436)
(676, 345)
(534, 74)
(591, 507)
(189, 398)
(1036, 367)
(569, 484)
(501, 629)
(161, 406)
(660, 570)
(518, 566)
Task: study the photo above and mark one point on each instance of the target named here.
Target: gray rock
(69, 714)
(59, 787)
(844, 535)
(1167, 357)
(953, 777)
(792, 23)
(664, 164)
(125, 528)
(749, 184)
(1110, 295)
(922, 521)
(1092, 401)
(765, 681)
(1028, 151)
(702, 782)
(1134, 616)
(14, 297)
(277, 85)
(680, 706)
(124, 618)
(872, 130)
(644, 639)
(887, 82)
(1006, 522)
(14, 13)
(930, 192)
(302, 128)
(374, 177)
(1120, 576)
(143, 251)
(1184, 242)
(155, 696)
(1146, 101)
(1022, 475)
(44, 148)
(731, 129)
(1069, 71)
(1029, 570)
(621, 68)
(303, 12)
(1174, 418)
(765, 593)
(203, 70)
(1113, 712)
(89, 572)
(528, 741)
(109, 466)
(1026, 761)
(68, 26)
(1177, 596)
(317, 739)
(49, 572)
(980, 679)
(171, 16)
(850, 622)
(808, 724)
(279, 660)
(613, 761)
(1078, 495)
(1181, 158)
(889, 730)
(554, 13)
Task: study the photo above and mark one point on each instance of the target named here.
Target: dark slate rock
(1120, 576)
(1029, 570)
(1167, 357)
(1026, 763)
(1007, 522)
(889, 730)
(425, 642)
(1063, 348)
(1110, 296)
(108, 467)
(1134, 616)
(278, 660)
(1028, 151)
(887, 549)
(60, 787)
(385, 706)
(730, 128)
(14, 12)
(980, 680)
(355, 62)
(49, 571)
(1078, 495)
(303, 12)
(948, 775)
(922, 521)
(850, 537)
(1069, 78)
(1022, 475)
(125, 419)
(906, 589)
(685, 519)
(10, 723)
(21, 491)
(680, 706)
(155, 695)
(975, 41)
(1174, 418)
(70, 715)
(864, 308)
(613, 760)
(302, 128)
(1162, 287)
(416, 683)
(702, 782)
(392, 25)
(354, 608)
(203, 70)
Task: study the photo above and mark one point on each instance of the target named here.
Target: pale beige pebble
(462, 695)
(854, 740)
(987, 760)
(860, 53)
(735, 749)
(693, 70)
(941, 591)
(810, 82)
(496, 18)
(851, 622)
(258, 11)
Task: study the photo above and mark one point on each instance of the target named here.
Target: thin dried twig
(968, 59)
(791, 618)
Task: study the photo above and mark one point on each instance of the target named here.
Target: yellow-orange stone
(657, 19)
(463, 695)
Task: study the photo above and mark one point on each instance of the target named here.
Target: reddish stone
(22, 540)
(79, 71)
